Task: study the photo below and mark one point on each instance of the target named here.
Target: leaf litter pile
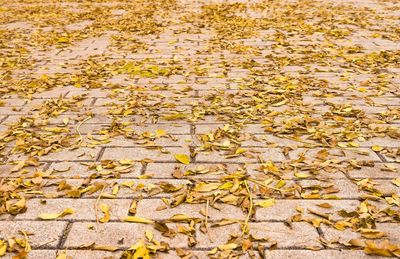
(195, 129)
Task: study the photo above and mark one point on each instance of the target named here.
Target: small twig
(39, 246)
(97, 203)
(77, 129)
(246, 223)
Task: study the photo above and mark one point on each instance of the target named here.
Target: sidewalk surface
(196, 129)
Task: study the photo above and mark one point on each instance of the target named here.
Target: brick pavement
(288, 113)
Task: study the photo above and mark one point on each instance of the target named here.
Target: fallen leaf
(184, 159)
(49, 216)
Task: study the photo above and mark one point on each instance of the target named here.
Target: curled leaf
(135, 219)
(49, 216)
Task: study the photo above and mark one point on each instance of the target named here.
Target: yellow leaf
(135, 219)
(126, 162)
(160, 132)
(149, 235)
(354, 144)
(377, 148)
(62, 255)
(280, 184)
(301, 175)
(106, 210)
(396, 182)
(266, 203)
(65, 120)
(206, 187)
(229, 246)
(240, 151)
(48, 216)
(3, 247)
(105, 248)
(184, 159)
(180, 218)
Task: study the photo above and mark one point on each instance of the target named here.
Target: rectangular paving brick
(78, 170)
(285, 209)
(142, 153)
(342, 154)
(328, 254)
(84, 209)
(344, 236)
(301, 235)
(116, 234)
(39, 253)
(54, 231)
(148, 209)
(267, 154)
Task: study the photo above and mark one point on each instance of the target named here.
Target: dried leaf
(184, 159)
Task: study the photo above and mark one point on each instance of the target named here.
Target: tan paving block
(142, 153)
(273, 154)
(141, 187)
(177, 129)
(172, 141)
(165, 170)
(53, 231)
(35, 254)
(82, 154)
(6, 170)
(375, 171)
(148, 209)
(345, 189)
(383, 141)
(327, 254)
(84, 209)
(337, 154)
(116, 234)
(390, 229)
(284, 209)
(76, 155)
(301, 235)
(91, 254)
(78, 170)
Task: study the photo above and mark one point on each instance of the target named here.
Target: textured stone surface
(304, 110)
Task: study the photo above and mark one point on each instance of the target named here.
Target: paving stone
(54, 231)
(171, 141)
(35, 254)
(82, 154)
(285, 209)
(116, 234)
(375, 171)
(84, 209)
(346, 235)
(142, 153)
(214, 171)
(176, 129)
(90, 254)
(328, 254)
(77, 170)
(140, 188)
(340, 154)
(301, 235)
(6, 170)
(268, 154)
(149, 209)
